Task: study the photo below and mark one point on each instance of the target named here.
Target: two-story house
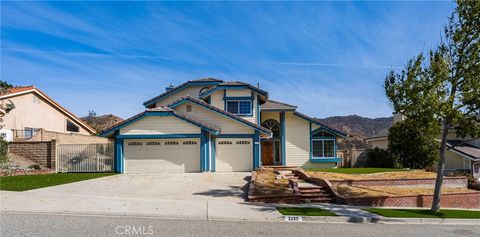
(210, 125)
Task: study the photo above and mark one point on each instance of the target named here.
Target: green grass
(357, 170)
(424, 213)
(300, 211)
(28, 182)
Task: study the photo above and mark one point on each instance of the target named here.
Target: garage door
(163, 155)
(234, 154)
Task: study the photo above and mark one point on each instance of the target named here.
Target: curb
(382, 220)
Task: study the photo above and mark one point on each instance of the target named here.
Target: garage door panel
(234, 154)
(162, 155)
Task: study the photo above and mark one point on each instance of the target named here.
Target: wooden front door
(267, 152)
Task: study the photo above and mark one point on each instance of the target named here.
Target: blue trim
(311, 142)
(213, 110)
(282, 137)
(179, 88)
(159, 136)
(118, 161)
(235, 135)
(214, 155)
(256, 151)
(325, 160)
(259, 112)
(205, 151)
(330, 130)
(235, 87)
(238, 98)
(156, 113)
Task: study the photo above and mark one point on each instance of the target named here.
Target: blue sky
(329, 58)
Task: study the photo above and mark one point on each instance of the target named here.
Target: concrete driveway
(215, 196)
(176, 186)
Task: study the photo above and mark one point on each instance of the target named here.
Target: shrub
(473, 183)
(35, 167)
(380, 158)
(413, 147)
(3, 151)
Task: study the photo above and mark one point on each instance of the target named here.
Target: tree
(380, 158)
(412, 148)
(92, 114)
(445, 90)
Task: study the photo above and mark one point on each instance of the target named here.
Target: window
(323, 148)
(189, 143)
(135, 144)
(154, 143)
(189, 108)
(241, 107)
(71, 127)
(243, 142)
(225, 143)
(169, 143)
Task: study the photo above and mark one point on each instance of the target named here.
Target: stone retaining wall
(25, 172)
(451, 182)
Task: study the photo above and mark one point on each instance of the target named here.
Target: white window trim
(323, 150)
(238, 111)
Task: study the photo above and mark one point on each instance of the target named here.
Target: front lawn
(424, 213)
(301, 211)
(357, 170)
(28, 182)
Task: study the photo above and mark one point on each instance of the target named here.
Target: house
(37, 117)
(462, 153)
(210, 125)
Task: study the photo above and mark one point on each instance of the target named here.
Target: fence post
(96, 155)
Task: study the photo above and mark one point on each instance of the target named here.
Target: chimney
(258, 85)
(169, 88)
(397, 117)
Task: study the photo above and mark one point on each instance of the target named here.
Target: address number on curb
(293, 218)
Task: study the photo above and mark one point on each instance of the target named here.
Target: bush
(380, 158)
(414, 148)
(35, 167)
(3, 151)
(473, 183)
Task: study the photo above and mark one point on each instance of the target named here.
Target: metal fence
(85, 158)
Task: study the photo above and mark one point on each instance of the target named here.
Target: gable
(160, 125)
(192, 91)
(227, 125)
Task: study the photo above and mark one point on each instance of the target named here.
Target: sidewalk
(15, 202)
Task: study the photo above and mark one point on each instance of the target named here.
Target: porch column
(118, 155)
(256, 151)
(282, 137)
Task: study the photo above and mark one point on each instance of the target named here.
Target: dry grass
(266, 184)
(414, 174)
(376, 191)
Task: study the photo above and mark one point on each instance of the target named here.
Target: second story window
(71, 127)
(241, 107)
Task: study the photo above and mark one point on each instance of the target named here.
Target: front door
(267, 152)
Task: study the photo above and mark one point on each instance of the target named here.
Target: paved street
(71, 225)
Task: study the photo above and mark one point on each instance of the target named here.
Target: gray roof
(275, 105)
(380, 134)
(464, 148)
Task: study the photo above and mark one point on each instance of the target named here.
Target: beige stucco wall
(227, 125)
(191, 91)
(160, 125)
(67, 138)
(270, 115)
(381, 143)
(34, 112)
(216, 99)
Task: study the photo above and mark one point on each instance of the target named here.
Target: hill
(102, 122)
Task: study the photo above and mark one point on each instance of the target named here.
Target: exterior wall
(380, 143)
(216, 99)
(191, 91)
(67, 138)
(160, 125)
(242, 93)
(233, 93)
(227, 125)
(270, 115)
(454, 161)
(34, 112)
(297, 144)
(42, 153)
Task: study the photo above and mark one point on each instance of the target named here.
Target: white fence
(85, 158)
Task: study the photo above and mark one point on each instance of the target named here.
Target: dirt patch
(20, 161)
(415, 174)
(266, 184)
(377, 191)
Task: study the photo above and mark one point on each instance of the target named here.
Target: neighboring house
(37, 117)
(209, 125)
(462, 153)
